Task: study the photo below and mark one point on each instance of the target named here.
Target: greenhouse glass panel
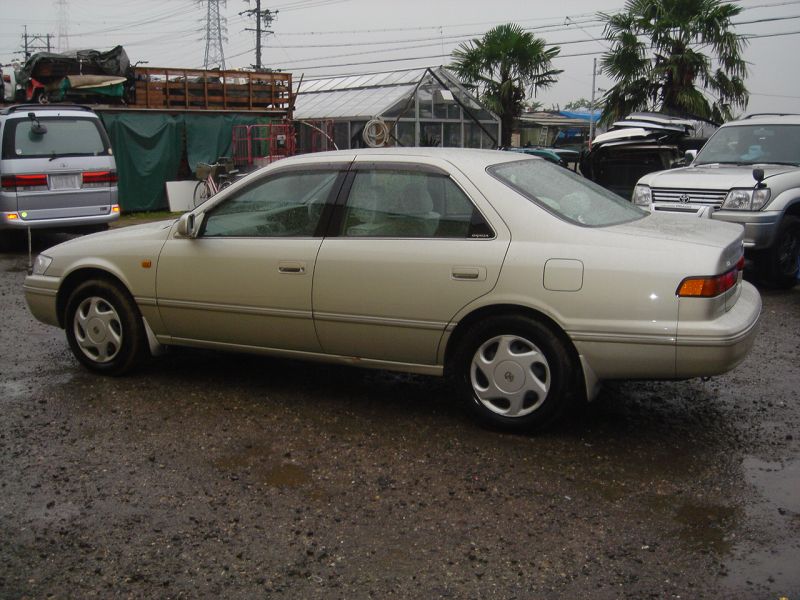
(404, 132)
(452, 135)
(430, 134)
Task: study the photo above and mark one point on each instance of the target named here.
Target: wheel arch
(76, 278)
(793, 209)
(496, 310)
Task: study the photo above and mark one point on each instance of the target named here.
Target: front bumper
(759, 226)
(706, 348)
(40, 294)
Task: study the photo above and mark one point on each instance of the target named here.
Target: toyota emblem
(684, 198)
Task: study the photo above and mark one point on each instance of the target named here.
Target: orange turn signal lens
(115, 208)
(12, 216)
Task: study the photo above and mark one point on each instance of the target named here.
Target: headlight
(642, 196)
(41, 264)
(746, 199)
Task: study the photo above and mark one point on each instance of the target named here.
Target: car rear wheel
(515, 373)
(104, 328)
(780, 262)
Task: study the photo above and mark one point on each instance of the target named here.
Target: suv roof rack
(770, 114)
(22, 107)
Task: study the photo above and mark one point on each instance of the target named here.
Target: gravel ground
(209, 475)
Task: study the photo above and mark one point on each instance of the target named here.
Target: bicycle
(213, 178)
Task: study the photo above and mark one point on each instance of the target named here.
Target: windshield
(566, 194)
(752, 144)
(60, 136)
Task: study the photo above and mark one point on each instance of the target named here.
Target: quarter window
(409, 204)
(285, 205)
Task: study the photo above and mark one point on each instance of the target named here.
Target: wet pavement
(208, 475)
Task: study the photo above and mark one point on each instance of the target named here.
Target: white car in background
(748, 173)
(524, 281)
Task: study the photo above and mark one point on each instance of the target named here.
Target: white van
(57, 170)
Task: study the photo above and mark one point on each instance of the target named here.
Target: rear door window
(402, 203)
(64, 136)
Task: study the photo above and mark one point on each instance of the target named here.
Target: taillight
(7, 78)
(708, 287)
(24, 183)
(99, 178)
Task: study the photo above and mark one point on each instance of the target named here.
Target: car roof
(459, 156)
(42, 110)
(766, 119)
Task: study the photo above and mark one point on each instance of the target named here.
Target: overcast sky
(325, 37)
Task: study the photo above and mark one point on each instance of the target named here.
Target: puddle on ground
(778, 482)
(773, 571)
(707, 526)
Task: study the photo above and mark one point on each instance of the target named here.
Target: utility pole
(214, 33)
(267, 16)
(591, 105)
(38, 42)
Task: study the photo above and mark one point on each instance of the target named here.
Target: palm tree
(503, 65)
(658, 62)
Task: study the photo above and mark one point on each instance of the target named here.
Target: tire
(536, 383)
(104, 328)
(779, 264)
(201, 193)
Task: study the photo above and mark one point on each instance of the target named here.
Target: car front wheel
(515, 373)
(104, 328)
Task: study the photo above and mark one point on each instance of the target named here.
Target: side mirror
(186, 224)
(689, 156)
(758, 175)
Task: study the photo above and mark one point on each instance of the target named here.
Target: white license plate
(65, 182)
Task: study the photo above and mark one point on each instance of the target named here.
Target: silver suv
(57, 170)
(748, 173)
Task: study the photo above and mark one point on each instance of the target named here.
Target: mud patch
(258, 465)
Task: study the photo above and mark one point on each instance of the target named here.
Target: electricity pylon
(215, 33)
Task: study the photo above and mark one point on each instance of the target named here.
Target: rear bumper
(713, 347)
(63, 223)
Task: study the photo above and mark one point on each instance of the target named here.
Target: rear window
(566, 194)
(65, 136)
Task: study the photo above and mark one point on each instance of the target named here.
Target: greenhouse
(418, 107)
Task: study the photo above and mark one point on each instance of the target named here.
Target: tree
(502, 66)
(658, 63)
(579, 104)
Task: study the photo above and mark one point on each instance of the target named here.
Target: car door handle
(469, 273)
(291, 267)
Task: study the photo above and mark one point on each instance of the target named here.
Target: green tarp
(148, 148)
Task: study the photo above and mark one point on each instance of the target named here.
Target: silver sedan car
(521, 280)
